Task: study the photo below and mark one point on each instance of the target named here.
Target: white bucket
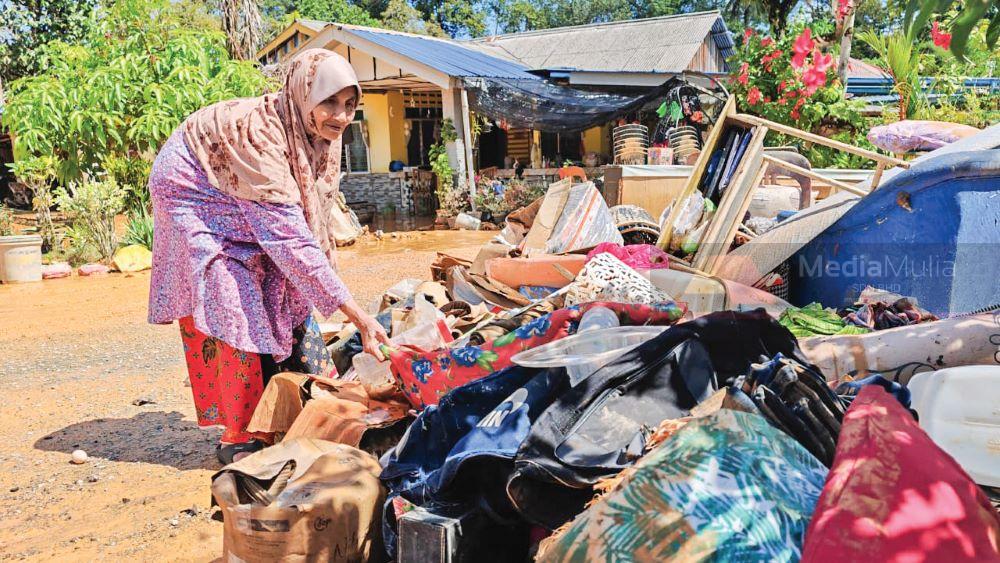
(20, 258)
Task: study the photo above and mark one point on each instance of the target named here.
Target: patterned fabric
(247, 272)
(426, 376)
(893, 495)
(606, 278)
(727, 487)
(226, 382)
(269, 149)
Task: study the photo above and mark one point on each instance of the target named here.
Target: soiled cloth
(268, 149)
(247, 272)
(881, 315)
(727, 487)
(893, 495)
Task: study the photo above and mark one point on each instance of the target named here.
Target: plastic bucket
(20, 258)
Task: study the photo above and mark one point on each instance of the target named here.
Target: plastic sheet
(544, 106)
(585, 222)
(913, 135)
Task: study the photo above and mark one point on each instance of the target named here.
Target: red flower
(744, 76)
(814, 78)
(941, 39)
(844, 8)
(753, 96)
(781, 86)
(765, 42)
(767, 99)
(747, 33)
(772, 56)
(803, 45)
(795, 110)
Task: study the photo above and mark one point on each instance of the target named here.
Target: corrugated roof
(447, 56)
(657, 45)
(314, 25)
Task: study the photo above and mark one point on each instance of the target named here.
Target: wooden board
(650, 193)
(733, 203)
(699, 169)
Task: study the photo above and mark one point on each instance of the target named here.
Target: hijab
(268, 149)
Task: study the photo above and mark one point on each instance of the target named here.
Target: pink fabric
(57, 270)
(636, 256)
(268, 148)
(893, 495)
(247, 272)
(92, 270)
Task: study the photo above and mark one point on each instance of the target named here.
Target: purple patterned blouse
(248, 272)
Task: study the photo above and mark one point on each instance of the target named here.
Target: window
(355, 146)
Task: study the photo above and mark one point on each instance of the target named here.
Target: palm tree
(243, 26)
(901, 59)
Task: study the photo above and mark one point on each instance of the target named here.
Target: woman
(243, 194)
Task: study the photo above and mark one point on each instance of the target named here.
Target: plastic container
(587, 352)
(958, 409)
(20, 258)
(426, 336)
(597, 318)
(703, 295)
(467, 222)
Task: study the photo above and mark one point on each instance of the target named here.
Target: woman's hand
(372, 333)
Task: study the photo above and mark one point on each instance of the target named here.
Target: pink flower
(814, 77)
(803, 45)
(765, 42)
(747, 33)
(941, 39)
(753, 96)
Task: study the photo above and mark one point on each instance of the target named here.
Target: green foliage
(121, 92)
(92, 206)
(965, 17)
(399, 15)
(6, 221)
(28, 25)
(140, 228)
(499, 198)
(340, 11)
(449, 200)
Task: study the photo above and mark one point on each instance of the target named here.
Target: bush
(140, 228)
(791, 80)
(92, 206)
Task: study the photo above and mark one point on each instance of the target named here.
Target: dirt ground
(77, 363)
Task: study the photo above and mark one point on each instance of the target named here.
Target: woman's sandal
(227, 452)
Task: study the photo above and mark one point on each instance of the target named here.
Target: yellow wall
(385, 132)
(397, 137)
(594, 140)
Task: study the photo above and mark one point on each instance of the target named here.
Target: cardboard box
(330, 509)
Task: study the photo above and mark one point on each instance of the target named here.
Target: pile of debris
(600, 385)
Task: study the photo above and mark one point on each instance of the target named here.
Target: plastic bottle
(595, 318)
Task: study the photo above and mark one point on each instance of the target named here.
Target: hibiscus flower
(753, 96)
(803, 45)
(744, 76)
(941, 39)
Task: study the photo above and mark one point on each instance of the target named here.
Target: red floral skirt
(227, 383)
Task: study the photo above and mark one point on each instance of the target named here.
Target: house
(412, 83)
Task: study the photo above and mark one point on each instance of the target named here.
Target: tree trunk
(243, 27)
(846, 34)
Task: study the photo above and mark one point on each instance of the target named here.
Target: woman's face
(333, 115)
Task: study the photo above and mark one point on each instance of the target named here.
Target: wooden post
(467, 134)
(878, 175)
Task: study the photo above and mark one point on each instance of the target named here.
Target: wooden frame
(717, 238)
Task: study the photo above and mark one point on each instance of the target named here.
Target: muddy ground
(81, 368)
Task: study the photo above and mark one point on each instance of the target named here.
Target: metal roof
(653, 45)
(449, 57)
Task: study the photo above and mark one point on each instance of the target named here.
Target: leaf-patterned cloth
(727, 487)
(426, 376)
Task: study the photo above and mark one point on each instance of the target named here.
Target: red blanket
(893, 495)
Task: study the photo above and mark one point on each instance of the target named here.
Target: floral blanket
(426, 376)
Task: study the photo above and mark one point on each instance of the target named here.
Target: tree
(399, 15)
(919, 13)
(899, 57)
(457, 18)
(123, 90)
(29, 24)
(243, 27)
